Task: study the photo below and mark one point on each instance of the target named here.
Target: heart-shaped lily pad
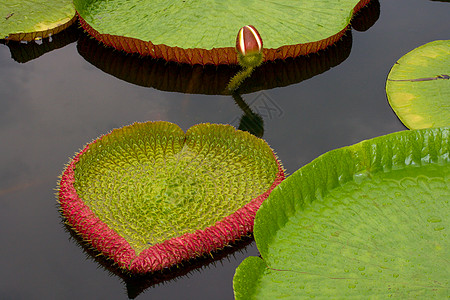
(365, 221)
(418, 86)
(204, 32)
(29, 20)
(150, 196)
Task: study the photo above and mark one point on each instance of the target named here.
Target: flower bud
(248, 40)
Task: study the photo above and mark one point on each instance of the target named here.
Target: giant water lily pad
(365, 221)
(204, 32)
(418, 86)
(150, 196)
(29, 20)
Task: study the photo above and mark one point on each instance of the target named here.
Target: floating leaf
(204, 32)
(150, 196)
(29, 20)
(369, 220)
(418, 86)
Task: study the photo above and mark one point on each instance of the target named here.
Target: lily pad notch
(195, 36)
(150, 196)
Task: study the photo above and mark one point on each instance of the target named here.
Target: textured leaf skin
(25, 20)
(216, 44)
(368, 220)
(418, 86)
(138, 231)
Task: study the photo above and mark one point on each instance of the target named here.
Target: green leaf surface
(369, 220)
(22, 16)
(215, 24)
(418, 86)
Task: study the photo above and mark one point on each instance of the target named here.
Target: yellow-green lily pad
(29, 20)
(418, 86)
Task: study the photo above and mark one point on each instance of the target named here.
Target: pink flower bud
(248, 40)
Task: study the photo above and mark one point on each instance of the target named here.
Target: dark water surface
(54, 104)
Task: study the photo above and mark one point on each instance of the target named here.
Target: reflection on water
(250, 120)
(138, 283)
(367, 16)
(211, 80)
(24, 52)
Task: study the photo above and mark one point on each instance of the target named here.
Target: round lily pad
(366, 221)
(204, 32)
(22, 20)
(150, 196)
(418, 86)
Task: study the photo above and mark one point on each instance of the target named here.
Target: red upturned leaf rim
(162, 255)
(215, 56)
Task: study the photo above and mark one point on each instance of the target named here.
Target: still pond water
(54, 104)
